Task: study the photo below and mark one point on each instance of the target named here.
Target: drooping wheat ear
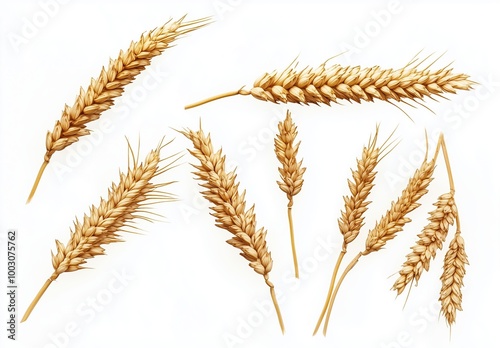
(100, 95)
(130, 199)
(352, 83)
(351, 219)
(452, 279)
(228, 206)
(393, 221)
(430, 240)
(291, 172)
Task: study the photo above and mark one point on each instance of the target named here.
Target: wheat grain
(128, 200)
(325, 85)
(291, 172)
(430, 240)
(452, 279)
(355, 205)
(100, 95)
(228, 206)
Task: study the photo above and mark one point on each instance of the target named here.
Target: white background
(184, 286)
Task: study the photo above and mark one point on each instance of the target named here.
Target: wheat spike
(228, 206)
(351, 218)
(393, 221)
(100, 95)
(395, 218)
(291, 172)
(452, 279)
(325, 85)
(430, 240)
(128, 200)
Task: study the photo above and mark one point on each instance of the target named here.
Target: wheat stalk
(392, 222)
(229, 208)
(291, 172)
(100, 95)
(351, 219)
(330, 84)
(130, 199)
(430, 240)
(452, 278)
(454, 261)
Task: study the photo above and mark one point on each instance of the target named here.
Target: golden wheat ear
(326, 85)
(129, 200)
(110, 84)
(229, 208)
(291, 172)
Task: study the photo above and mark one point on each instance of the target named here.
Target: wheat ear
(351, 219)
(330, 84)
(228, 207)
(452, 278)
(454, 260)
(291, 172)
(393, 221)
(130, 199)
(100, 95)
(430, 240)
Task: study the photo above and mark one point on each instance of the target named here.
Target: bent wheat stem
(330, 290)
(100, 95)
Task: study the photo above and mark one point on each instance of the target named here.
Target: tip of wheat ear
(110, 84)
(326, 85)
(128, 200)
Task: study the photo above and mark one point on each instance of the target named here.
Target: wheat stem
(442, 143)
(216, 97)
(330, 290)
(334, 295)
(292, 240)
(37, 180)
(38, 297)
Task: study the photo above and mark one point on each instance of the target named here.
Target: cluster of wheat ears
(135, 193)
